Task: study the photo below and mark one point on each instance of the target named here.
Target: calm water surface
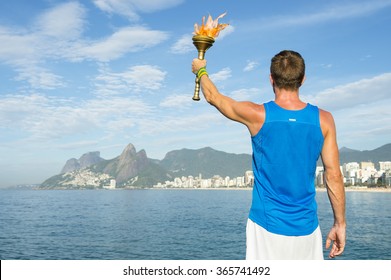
(163, 224)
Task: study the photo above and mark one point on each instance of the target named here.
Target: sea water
(164, 224)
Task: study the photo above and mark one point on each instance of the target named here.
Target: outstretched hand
(336, 238)
(197, 64)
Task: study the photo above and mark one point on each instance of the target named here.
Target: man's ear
(302, 82)
(271, 80)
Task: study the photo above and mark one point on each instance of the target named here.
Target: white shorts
(264, 245)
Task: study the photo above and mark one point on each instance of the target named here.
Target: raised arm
(248, 113)
(334, 184)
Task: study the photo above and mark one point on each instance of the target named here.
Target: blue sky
(95, 75)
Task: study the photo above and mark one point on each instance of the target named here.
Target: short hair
(287, 70)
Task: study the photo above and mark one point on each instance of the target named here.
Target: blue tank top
(285, 152)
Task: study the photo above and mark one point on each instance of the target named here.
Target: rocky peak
(89, 159)
(129, 151)
(71, 165)
(128, 164)
(84, 161)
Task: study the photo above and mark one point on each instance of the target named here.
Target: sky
(96, 75)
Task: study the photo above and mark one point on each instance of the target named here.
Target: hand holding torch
(203, 39)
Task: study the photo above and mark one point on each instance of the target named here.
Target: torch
(202, 43)
(203, 39)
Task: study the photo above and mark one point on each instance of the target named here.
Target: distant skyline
(80, 76)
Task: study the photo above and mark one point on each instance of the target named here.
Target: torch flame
(211, 28)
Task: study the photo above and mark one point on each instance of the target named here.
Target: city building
(215, 182)
(354, 173)
(363, 173)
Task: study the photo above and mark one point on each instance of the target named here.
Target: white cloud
(19, 45)
(370, 122)
(251, 65)
(328, 14)
(222, 75)
(140, 78)
(183, 45)
(56, 35)
(361, 111)
(39, 120)
(364, 91)
(326, 66)
(246, 94)
(163, 124)
(49, 36)
(39, 77)
(14, 109)
(42, 118)
(180, 101)
(47, 33)
(65, 21)
(78, 144)
(128, 39)
(132, 8)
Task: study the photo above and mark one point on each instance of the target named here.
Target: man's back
(286, 150)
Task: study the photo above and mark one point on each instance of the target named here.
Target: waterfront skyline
(94, 75)
(354, 174)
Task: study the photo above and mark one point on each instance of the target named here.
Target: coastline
(321, 189)
(361, 189)
(347, 189)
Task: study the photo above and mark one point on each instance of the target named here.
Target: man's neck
(288, 99)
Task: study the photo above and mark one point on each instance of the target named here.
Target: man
(287, 136)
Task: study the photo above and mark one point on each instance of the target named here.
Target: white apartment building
(112, 186)
(215, 182)
(357, 173)
(385, 165)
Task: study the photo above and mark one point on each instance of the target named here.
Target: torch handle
(201, 55)
(196, 96)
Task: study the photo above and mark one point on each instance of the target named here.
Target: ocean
(164, 224)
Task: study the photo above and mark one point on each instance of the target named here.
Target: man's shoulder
(253, 114)
(326, 121)
(325, 115)
(253, 105)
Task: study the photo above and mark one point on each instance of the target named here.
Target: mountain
(347, 150)
(382, 153)
(84, 161)
(206, 161)
(132, 168)
(128, 165)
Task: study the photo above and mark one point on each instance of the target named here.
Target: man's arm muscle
(250, 114)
